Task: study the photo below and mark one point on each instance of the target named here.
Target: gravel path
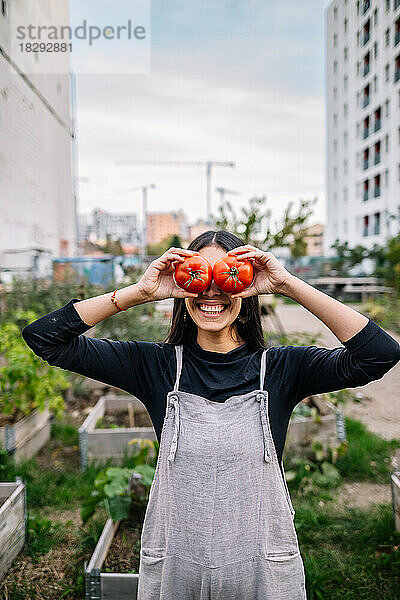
(381, 414)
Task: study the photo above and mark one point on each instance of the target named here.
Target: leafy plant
(112, 486)
(26, 381)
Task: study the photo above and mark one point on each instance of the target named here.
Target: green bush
(26, 381)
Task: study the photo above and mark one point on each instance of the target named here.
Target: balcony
(366, 6)
(377, 191)
(397, 75)
(366, 38)
(365, 133)
(396, 38)
(377, 125)
(365, 164)
(365, 195)
(366, 100)
(366, 69)
(377, 158)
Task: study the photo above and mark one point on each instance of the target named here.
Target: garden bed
(28, 435)
(101, 444)
(12, 523)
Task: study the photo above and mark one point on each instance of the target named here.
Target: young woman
(219, 521)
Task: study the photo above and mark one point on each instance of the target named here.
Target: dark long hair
(248, 325)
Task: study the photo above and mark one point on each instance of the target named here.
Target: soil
(141, 419)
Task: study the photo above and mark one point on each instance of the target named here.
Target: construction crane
(208, 164)
(222, 191)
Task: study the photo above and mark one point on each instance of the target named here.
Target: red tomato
(232, 275)
(193, 274)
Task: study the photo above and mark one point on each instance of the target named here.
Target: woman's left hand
(270, 276)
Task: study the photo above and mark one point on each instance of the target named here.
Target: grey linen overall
(219, 520)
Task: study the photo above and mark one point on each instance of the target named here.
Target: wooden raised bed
(104, 585)
(303, 430)
(103, 444)
(28, 435)
(13, 516)
(395, 489)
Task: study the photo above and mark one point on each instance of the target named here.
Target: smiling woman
(220, 520)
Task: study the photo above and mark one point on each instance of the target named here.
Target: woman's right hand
(157, 281)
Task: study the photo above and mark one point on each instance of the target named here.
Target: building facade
(37, 192)
(161, 225)
(362, 121)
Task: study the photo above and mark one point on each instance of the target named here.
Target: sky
(228, 80)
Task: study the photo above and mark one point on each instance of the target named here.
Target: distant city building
(119, 226)
(161, 225)
(363, 121)
(199, 227)
(37, 195)
(314, 238)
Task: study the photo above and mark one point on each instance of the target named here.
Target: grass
(348, 553)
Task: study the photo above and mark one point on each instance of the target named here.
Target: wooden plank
(103, 545)
(34, 442)
(395, 485)
(12, 523)
(96, 413)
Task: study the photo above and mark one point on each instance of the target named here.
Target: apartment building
(362, 121)
(161, 225)
(37, 191)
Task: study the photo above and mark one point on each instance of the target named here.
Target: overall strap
(178, 354)
(262, 367)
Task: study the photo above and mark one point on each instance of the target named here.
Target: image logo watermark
(55, 38)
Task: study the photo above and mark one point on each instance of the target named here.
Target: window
(345, 82)
(397, 32)
(399, 134)
(387, 5)
(365, 226)
(386, 177)
(377, 186)
(345, 138)
(366, 190)
(366, 96)
(335, 145)
(358, 38)
(335, 63)
(335, 13)
(345, 194)
(397, 70)
(375, 17)
(366, 128)
(346, 53)
(358, 7)
(345, 110)
(4, 7)
(366, 64)
(386, 143)
(366, 159)
(387, 108)
(335, 93)
(377, 151)
(335, 40)
(358, 98)
(357, 129)
(387, 37)
(345, 23)
(366, 32)
(376, 50)
(345, 166)
(387, 72)
(334, 172)
(377, 223)
(365, 6)
(335, 120)
(375, 83)
(377, 117)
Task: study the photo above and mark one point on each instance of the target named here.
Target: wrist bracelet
(113, 300)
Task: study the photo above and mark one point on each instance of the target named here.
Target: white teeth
(212, 309)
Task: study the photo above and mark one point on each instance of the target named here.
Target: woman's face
(213, 309)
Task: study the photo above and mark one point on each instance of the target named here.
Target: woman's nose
(212, 290)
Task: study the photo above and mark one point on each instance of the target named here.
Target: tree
(169, 241)
(290, 233)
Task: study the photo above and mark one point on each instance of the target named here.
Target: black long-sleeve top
(147, 370)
